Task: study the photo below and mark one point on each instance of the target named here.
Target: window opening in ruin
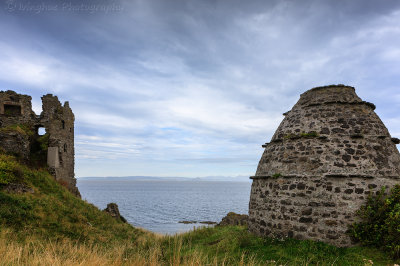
(41, 131)
(70, 129)
(65, 147)
(11, 110)
(60, 158)
(63, 124)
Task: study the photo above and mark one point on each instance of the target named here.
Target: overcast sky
(193, 88)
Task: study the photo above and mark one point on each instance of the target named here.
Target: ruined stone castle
(20, 134)
(329, 152)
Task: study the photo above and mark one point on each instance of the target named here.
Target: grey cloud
(219, 74)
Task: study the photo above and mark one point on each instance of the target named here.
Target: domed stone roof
(331, 131)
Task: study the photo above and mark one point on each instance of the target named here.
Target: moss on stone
(20, 128)
(276, 175)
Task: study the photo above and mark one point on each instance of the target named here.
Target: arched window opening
(65, 147)
(63, 124)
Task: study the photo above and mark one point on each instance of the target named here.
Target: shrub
(380, 221)
(10, 170)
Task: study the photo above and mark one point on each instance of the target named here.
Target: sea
(158, 205)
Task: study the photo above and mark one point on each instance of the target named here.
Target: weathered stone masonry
(330, 151)
(58, 121)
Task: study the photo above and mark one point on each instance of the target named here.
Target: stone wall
(8, 116)
(330, 151)
(309, 207)
(58, 121)
(16, 143)
(16, 123)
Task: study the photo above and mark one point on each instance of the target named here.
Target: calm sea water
(159, 205)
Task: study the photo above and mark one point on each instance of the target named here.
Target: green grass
(57, 220)
(236, 241)
(10, 170)
(52, 212)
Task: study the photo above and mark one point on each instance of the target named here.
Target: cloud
(194, 87)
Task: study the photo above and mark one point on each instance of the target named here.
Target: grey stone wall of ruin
(58, 120)
(14, 141)
(11, 98)
(328, 153)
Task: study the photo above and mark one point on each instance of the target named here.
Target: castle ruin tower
(58, 121)
(19, 134)
(329, 152)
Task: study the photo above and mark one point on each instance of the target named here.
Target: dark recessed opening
(63, 124)
(11, 110)
(65, 147)
(41, 131)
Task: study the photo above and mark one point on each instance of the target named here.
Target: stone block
(53, 159)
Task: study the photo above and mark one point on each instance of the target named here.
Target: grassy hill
(52, 227)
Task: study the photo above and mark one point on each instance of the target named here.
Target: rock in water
(187, 222)
(208, 222)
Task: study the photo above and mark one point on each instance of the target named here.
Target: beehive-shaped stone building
(330, 151)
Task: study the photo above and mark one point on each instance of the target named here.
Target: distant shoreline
(156, 178)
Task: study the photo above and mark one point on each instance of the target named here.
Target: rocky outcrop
(18, 188)
(15, 141)
(234, 219)
(113, 210)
